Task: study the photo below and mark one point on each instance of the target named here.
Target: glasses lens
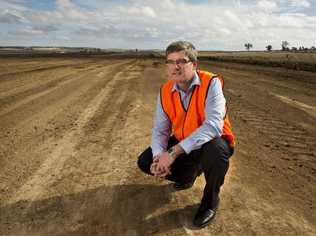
(182, 61)
(179, 62)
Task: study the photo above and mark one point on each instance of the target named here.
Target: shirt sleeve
(161, 130)
(212, 127)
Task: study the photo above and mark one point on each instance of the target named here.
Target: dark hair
(185, 46)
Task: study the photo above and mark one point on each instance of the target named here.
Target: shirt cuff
(156, 151)
(187, 145)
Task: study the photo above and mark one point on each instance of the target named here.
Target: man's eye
(170, 62)
(182, 61)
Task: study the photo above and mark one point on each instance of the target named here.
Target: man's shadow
(131, 209)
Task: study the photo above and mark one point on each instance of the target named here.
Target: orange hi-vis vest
(184, 122)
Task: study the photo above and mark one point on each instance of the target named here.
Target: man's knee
(217, 149)
(145, 160)
(142, 165)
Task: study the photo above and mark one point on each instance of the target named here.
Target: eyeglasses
(179, 62)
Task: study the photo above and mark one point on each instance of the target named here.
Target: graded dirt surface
(71, 130)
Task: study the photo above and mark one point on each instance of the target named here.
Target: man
(191, 132)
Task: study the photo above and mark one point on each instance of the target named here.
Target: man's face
(180, 68)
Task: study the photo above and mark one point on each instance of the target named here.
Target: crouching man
(191, 133)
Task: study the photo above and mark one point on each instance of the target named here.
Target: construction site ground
(71, 130)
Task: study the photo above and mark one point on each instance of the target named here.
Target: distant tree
(313, 48)
(269, 47)
(294, 49)
(302, 48)
(285, 45)
(248, 46)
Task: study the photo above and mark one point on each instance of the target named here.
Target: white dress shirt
(215, 109)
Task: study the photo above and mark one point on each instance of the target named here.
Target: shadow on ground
(107, 210)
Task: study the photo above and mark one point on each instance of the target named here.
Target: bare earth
(71, 131)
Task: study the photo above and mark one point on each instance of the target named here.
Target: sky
(153, 24)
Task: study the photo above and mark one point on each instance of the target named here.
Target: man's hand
(164, 164)
(156, 171)
(154, 167)
(161, 165)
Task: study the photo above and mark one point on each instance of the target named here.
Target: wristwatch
(172, 152)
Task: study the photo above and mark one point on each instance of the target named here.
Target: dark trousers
(212, 159)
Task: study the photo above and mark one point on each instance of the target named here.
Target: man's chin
(177, 79)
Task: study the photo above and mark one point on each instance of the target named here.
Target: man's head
(181, 60)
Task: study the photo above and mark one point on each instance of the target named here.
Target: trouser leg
(146, 158)
(214, 161)
(212, 158)
(183, 170)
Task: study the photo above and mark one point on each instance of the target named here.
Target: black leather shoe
(181, 186)
(204, 216)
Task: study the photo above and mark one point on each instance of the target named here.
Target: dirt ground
(71, 130)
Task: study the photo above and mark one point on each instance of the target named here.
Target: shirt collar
(195, 81)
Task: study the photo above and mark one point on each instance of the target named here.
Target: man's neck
(185, 85)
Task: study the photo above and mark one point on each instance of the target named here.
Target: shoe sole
(206, 223)
(210, 221)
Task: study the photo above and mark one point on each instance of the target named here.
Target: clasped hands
(161, 165)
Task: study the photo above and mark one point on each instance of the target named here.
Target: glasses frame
(180, 62)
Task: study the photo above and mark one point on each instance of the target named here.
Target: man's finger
(159, 172)
(163, 174)
(153, 168)
(166, 169)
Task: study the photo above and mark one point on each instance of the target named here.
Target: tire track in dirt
(54, 183)
(21, 99)
(36, 187)
(292, 140)
(270, 190)
(78, 79)
(13, 99)
(26, 82)
(21, 141)
(101, 129)
(12, 65)
(279, 146)
(311, 110)
(8, 76)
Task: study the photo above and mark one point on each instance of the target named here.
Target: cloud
(102, 31)
(299, 3)
(31, 31)
(45, 28)
(12, 5)
(153, 24)
(267, 5)
(139, 11)
(65, 4)
(10, 17)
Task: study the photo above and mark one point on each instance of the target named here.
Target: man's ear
(195, 65)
